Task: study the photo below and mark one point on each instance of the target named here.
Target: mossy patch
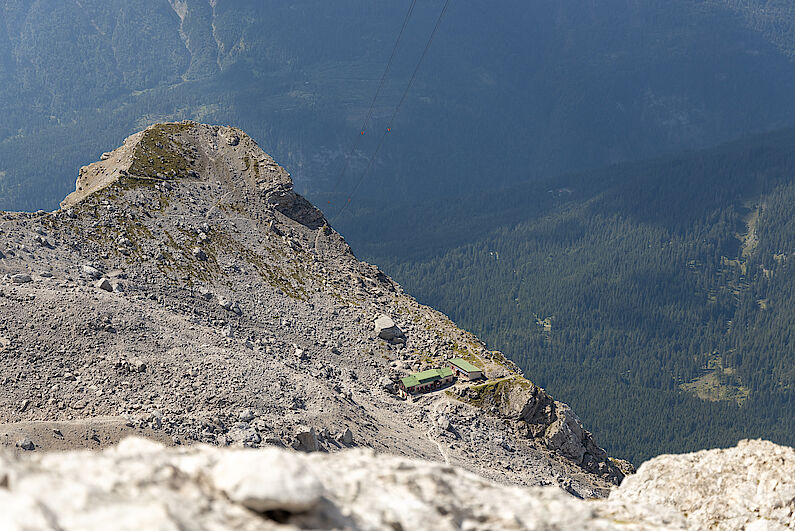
(160, 155)
(718, 383)
(718, 386)
(496, 393)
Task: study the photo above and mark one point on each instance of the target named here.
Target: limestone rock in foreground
(143, 485)
(750, 486)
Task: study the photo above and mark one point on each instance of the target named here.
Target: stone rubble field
(184, 292)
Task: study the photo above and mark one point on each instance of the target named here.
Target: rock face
(751, 486)
(542, 418)
(185, 281)
(143, 485)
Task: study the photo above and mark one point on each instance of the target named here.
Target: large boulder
(92, 271)
(267, 480)
(386, 384)
(104, 284)
(306, 439)
(386, 329)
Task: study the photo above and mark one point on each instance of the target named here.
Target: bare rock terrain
(143, 485)
(750, 486)
(186, 293)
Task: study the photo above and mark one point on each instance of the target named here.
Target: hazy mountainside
(186, 291)
(510, 90)
(775, 19)
(655, 297)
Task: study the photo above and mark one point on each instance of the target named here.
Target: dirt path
(92, 433)
(432, 439)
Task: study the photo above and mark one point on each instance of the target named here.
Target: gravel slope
(187, 293)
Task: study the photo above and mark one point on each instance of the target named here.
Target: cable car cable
(377, 92)
(397, 109)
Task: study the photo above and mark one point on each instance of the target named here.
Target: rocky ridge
(143, 485)
(186, 292)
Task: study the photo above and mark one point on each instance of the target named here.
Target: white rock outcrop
(143, 485)
(750, 486)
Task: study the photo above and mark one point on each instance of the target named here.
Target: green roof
(433, 374)
(424, 377)
(464, 365)
(409, 381)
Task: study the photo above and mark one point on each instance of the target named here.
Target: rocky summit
(186, 293)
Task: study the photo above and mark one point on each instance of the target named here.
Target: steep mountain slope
(533, 89)
(186, 290)
(655, 297)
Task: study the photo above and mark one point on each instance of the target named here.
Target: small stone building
(463, 368)
(425, 381)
